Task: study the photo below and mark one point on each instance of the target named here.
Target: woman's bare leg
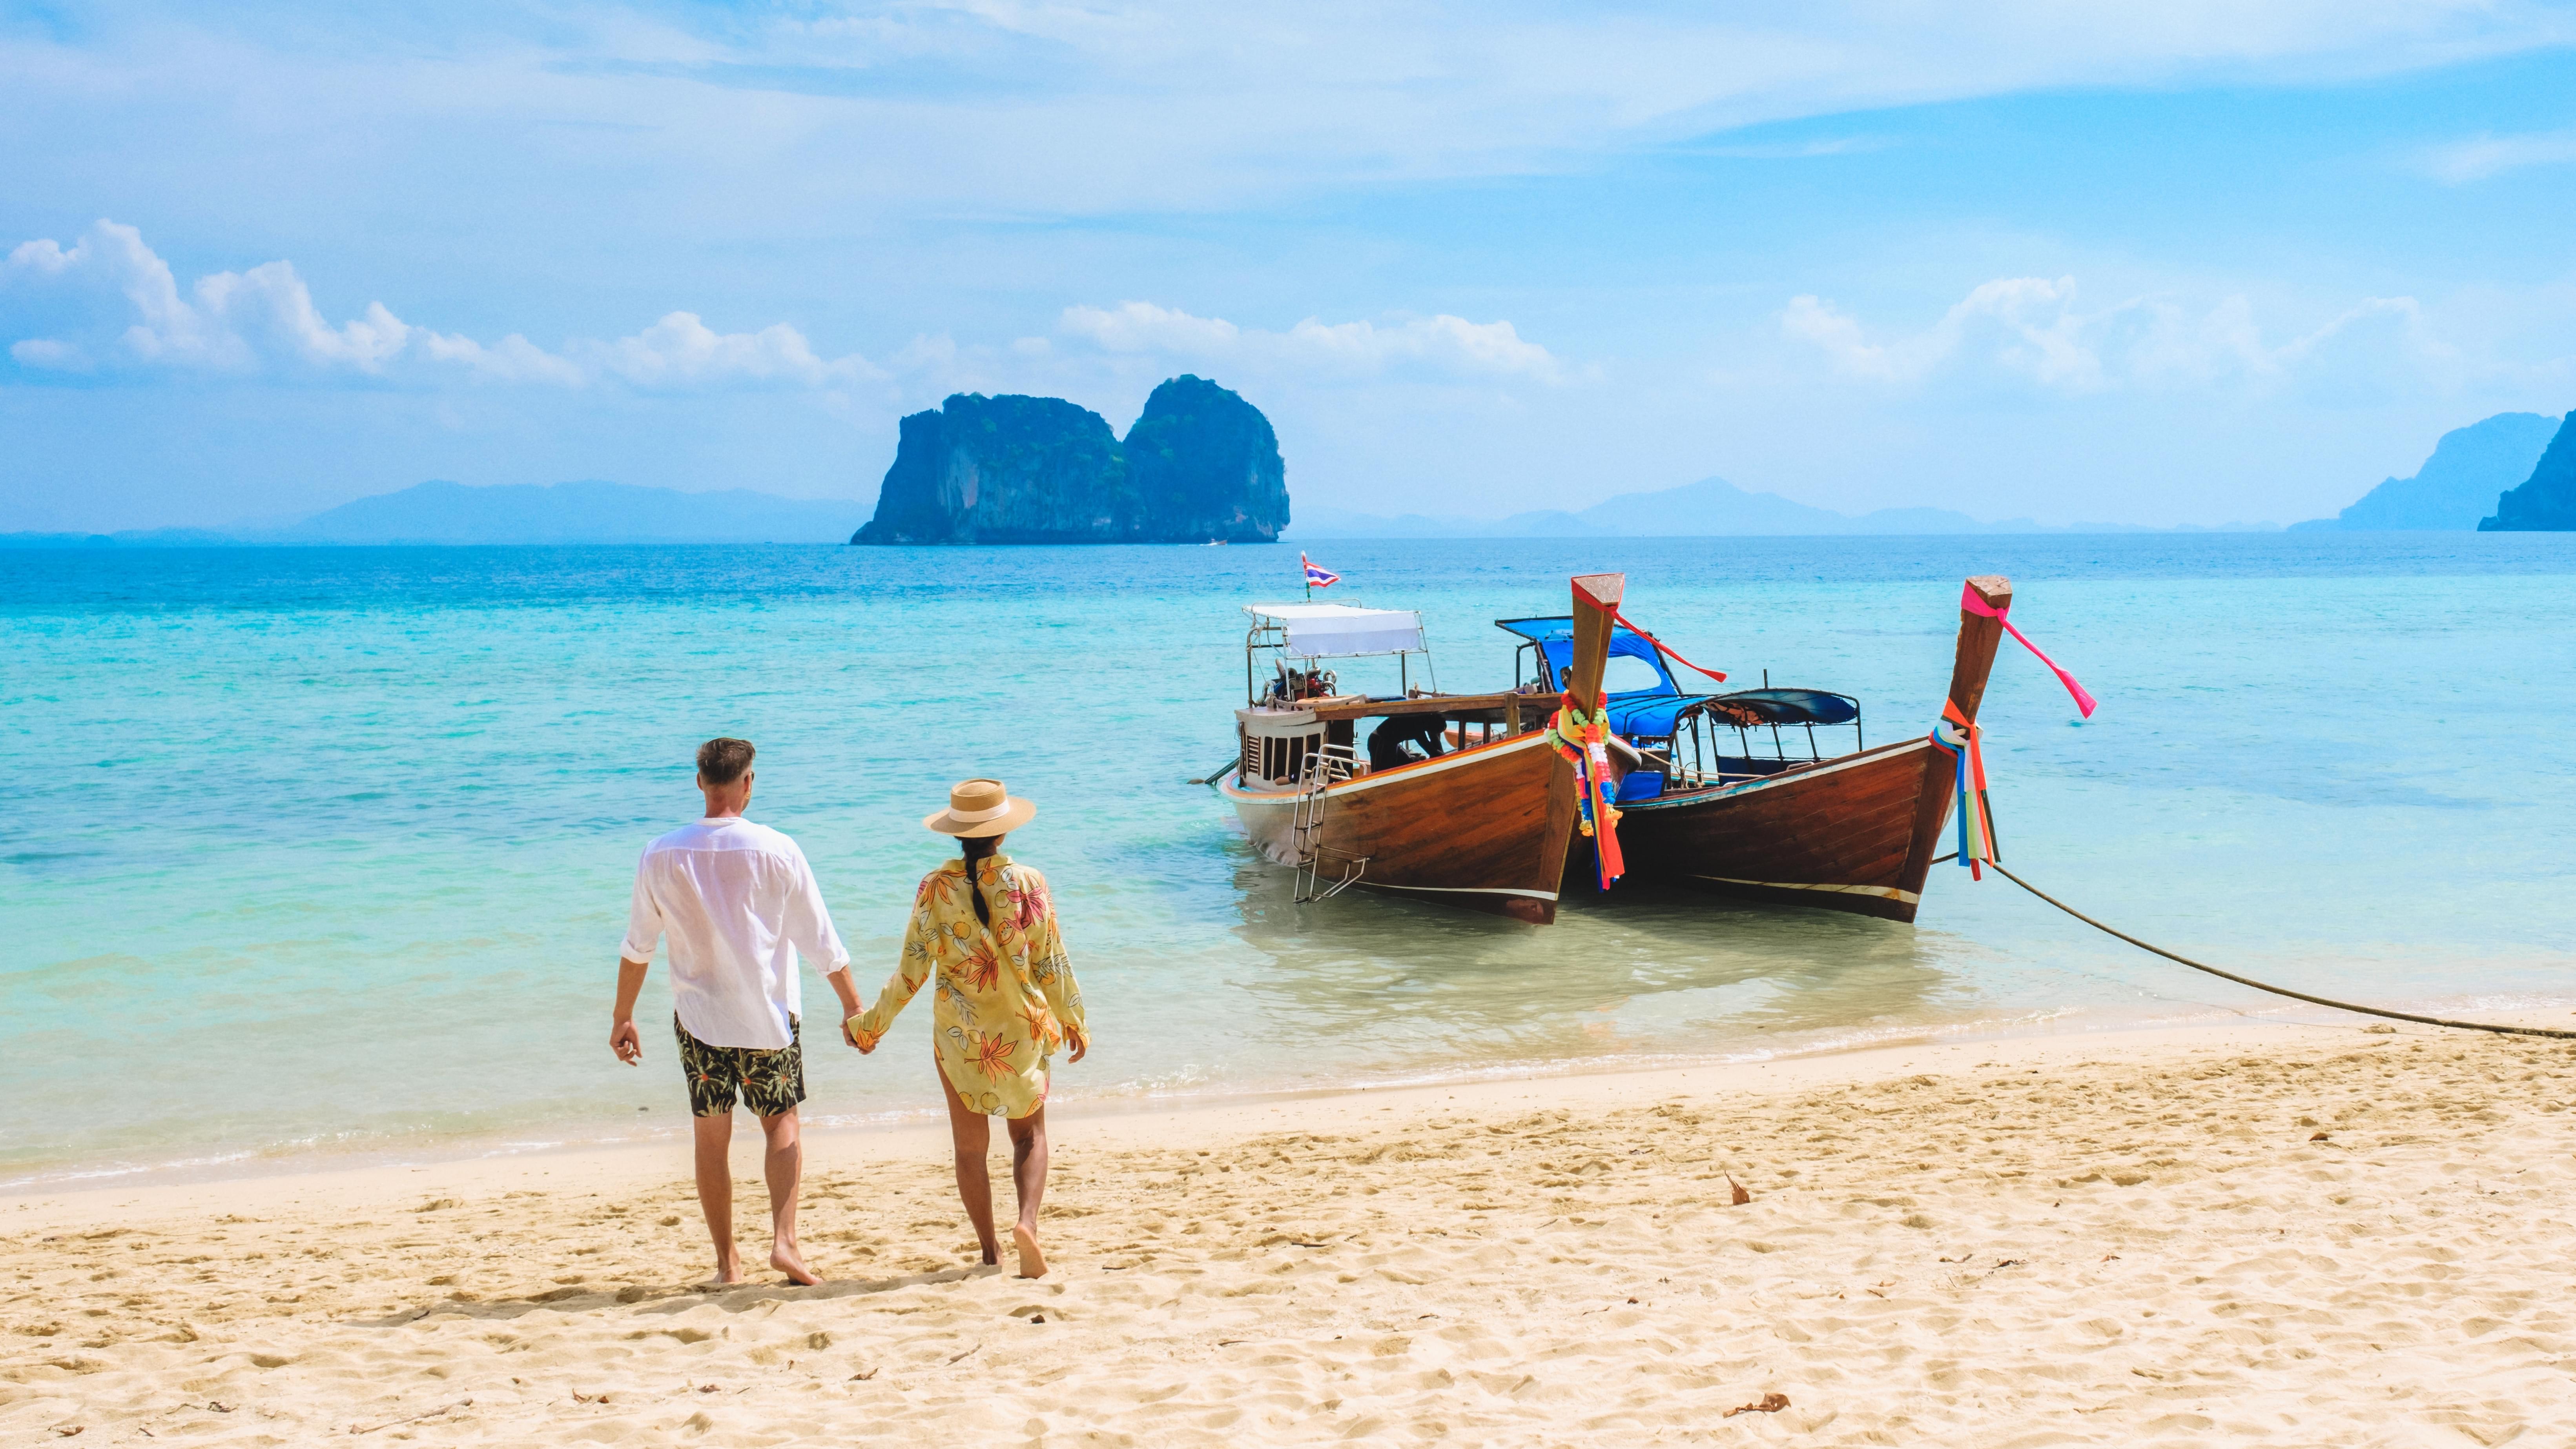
(973, 1137)
(1028, 1176)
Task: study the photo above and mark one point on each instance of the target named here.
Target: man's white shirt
(738, 902)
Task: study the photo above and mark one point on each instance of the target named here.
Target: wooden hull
(1493, 827)
(1483, 828)
(1856, 834)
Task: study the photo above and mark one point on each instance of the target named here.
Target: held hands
(851, 1013)
(624, 1040)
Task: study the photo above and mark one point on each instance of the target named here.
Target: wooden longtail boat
(1853, 832)
(1484, 825)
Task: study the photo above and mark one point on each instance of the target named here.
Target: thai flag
(1318, 576)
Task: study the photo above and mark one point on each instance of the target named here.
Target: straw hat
(980, 807)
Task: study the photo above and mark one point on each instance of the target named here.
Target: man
(1386, 743)
(739, 904)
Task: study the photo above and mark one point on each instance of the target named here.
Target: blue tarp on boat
(1649, 713)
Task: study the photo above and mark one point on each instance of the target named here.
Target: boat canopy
(1795, 706)
(1651, 713)
(1341, 631)
(1555, 638)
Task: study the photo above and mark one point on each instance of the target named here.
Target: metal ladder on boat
(1325, 768)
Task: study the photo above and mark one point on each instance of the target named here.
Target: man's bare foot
(1032, 1262)
(728, 1272)
(783, 1258)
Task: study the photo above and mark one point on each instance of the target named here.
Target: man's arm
(808, 926)
(839, 981)
(634, 958)
(623, 1039)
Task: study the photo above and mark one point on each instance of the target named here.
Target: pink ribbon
(1666, 649)
(1969, 601)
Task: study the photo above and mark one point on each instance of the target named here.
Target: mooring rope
(2262, 985)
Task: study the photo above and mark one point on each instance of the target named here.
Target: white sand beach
(2261, 1234)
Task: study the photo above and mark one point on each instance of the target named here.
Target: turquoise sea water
(332, 846)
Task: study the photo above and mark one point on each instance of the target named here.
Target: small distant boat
(1463, 798)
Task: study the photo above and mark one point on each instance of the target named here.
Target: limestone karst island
(1201, 465)
(2546, 501)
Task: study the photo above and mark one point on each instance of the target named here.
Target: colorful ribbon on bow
(1663, 648)
(1965, 744)
(1969, 600)
(1584, 741)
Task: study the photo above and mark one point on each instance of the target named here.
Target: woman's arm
(910, 971)
(1052, 967)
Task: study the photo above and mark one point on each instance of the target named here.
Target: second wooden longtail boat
(1850, 832)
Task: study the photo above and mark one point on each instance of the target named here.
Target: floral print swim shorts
(771, 1079)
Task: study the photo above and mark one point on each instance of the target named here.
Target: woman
(1006, 1000)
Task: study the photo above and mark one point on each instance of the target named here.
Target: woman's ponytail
(974, 848)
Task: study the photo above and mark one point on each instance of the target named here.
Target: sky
(2189, 263)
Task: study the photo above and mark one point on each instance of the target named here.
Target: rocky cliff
(1004, 469)
(1200, 464)
(2458, 484)
(2547, 500)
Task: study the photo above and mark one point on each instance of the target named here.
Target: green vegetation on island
(1201, 465)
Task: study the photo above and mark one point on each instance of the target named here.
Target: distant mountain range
(521, 513)
(1709, 507)
(2459, 484)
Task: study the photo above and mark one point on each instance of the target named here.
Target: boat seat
(1641, 785)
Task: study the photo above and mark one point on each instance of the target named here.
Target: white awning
(1334, 631)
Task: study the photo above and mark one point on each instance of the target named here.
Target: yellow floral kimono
(1005, 994)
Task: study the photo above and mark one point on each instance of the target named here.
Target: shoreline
(560, 1135)
(1127, 1120)
(2269, 1231)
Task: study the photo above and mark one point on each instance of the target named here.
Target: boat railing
(1700, 731)
(1687, 764)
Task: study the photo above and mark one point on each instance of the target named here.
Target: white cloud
(47, 352)
(271, 310)
(1013, 105)
(1443, 344)
(2031, 330)
(2028, 321)
(512, 359)
(2476, 159)
(1794, 150)
(681, 351)
(111, 259)
(264, 319)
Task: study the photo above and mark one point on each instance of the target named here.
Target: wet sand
(2258, 1234)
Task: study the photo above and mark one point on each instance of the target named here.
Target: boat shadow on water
(1655, 973)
